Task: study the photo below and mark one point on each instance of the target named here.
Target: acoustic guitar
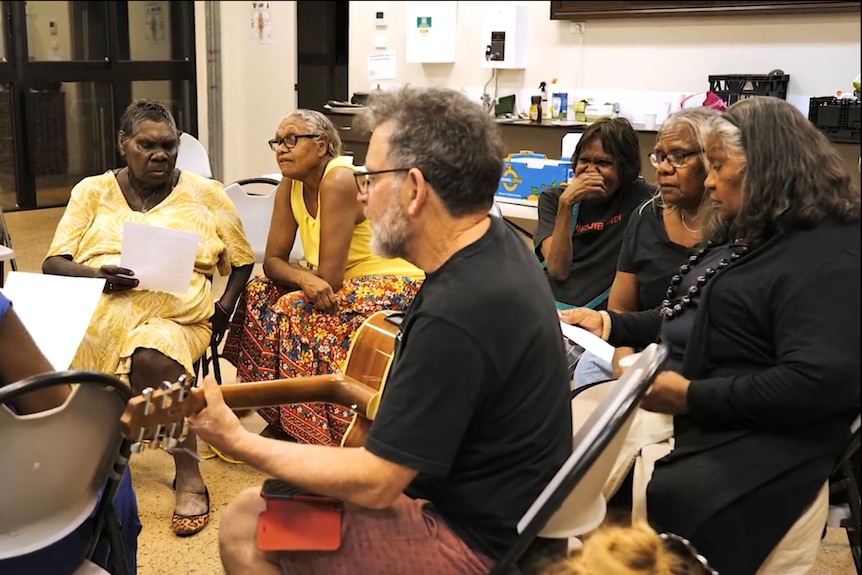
(156, 417)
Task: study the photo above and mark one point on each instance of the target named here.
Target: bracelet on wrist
(606, 324)
(222, 309)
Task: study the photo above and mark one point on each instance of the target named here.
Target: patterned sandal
(188, 525)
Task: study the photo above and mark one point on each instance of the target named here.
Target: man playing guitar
(475, 416)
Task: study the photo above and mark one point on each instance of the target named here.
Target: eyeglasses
(683, 548)
(365, 179)
(675, 159)
(289, 141)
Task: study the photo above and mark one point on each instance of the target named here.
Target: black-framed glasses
(289, 141)
(675, 159)
(365, 179)
(681, 547)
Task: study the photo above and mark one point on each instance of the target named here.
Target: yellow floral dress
(177, 325)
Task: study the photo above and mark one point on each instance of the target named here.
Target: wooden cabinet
(586, 10)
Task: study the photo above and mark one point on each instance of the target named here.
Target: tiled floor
(161, 553)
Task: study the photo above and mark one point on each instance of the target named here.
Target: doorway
(322, 30)
(67, 72)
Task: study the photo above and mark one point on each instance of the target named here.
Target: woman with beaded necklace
(764, 330)
(661, 232)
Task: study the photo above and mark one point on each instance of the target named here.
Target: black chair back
(55, 463)
(578, 483)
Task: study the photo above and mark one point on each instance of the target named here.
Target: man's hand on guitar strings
(216, 424)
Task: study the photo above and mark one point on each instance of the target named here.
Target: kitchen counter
(571, 126)
(547, 138)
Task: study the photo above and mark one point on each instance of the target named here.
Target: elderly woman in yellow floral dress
(149, 336)
(299, 319)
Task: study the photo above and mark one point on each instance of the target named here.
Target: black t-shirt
(477, 399)
(596, 240)
(649, 254)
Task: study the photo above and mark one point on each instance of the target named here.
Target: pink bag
(707, 99)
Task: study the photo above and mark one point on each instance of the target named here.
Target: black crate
(734, 87)
(838, 118)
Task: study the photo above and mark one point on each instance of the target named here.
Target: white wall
(820, 52)
(257, 86)
(632, 60)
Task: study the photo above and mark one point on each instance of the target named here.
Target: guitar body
(158, 414)
(368, 361)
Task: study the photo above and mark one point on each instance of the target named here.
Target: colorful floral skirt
(280, 334)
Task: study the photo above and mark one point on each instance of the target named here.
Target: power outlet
(577, 27)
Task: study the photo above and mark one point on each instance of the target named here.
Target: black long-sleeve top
(773, 359)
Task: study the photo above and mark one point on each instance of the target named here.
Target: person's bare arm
(64, 266)
(21, 358)
(340, 209)
(117, 279)
(558, 253)
(351, 474)
(557, 248)
(625, 293)
(282, 234)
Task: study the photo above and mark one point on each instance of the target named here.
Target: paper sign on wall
(381, 66)
(155, 33)
(261, 23)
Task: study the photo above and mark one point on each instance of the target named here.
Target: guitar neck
(333, 388)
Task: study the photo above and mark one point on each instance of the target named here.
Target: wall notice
(381, 66)
(261, 23)
(155, 19)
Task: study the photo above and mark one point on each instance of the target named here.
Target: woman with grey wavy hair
(297, 320)
(660, 233)
(763, 326)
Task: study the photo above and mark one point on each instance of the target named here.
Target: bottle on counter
(536, 109)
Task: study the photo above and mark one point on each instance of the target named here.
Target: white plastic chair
(56, 461)
(193, 157)
(572, 503)
(255, 212)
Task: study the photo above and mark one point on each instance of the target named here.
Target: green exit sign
(423, 22)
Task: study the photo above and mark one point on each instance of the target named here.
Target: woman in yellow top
(142, 335)
(298, 320)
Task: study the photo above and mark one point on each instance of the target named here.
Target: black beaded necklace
(673, 306)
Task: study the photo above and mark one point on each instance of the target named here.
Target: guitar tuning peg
(147, 394)
(169, 444)
(139, 442)
(186, 383)
(155, 442)
(166, 397)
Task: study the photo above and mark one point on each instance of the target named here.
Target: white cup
(649, 121)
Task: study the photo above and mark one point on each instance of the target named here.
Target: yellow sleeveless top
(361, 261)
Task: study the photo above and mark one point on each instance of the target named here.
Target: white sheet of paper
(162, 259)
(381, 65)
(588, 341)
(56, 310)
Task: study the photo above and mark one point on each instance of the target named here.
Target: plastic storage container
(838, 118)
(733, 87)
